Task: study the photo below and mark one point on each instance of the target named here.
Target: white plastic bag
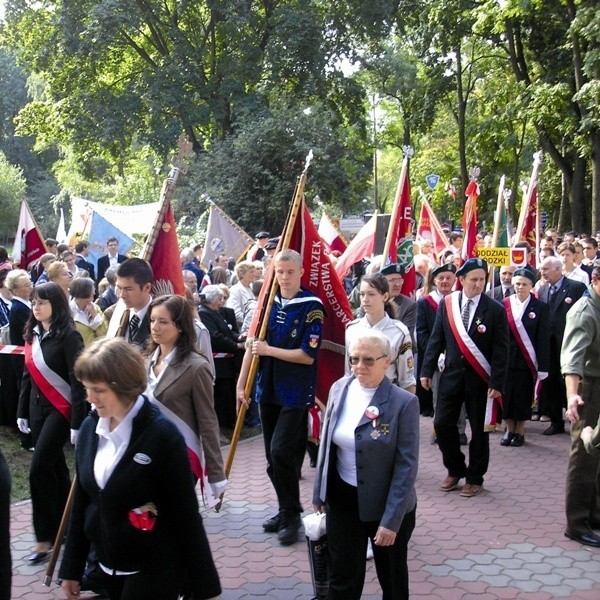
(314, 526)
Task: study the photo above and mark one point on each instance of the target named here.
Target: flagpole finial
(506, 194)
(475, 172)
(538, 157)
(408, 151)
(308, 160)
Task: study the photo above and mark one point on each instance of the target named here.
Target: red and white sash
(474, 356)
(432, 302)
(194, 448)
(524, 342)
(54, 388)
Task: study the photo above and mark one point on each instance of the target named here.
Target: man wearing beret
(472, 329)
(257, 251)
(406, 307)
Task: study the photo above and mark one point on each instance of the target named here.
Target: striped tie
(134, 325)
(466, 313)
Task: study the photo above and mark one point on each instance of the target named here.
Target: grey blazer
(386, 462)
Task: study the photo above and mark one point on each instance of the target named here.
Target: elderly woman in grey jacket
(366, 472)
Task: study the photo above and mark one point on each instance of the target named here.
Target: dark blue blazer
(425, 321)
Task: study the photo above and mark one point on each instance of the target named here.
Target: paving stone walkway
(506, 543)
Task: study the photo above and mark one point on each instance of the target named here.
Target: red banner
(321, 279)
(429, 228)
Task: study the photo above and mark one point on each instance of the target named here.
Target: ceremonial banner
(330, 234)
(399, 241)
(469, 223)
(321, 279)
(360, 247)
(29, 243)
(429, 228)
(224, 236)
(129, 219)
(100, 230)
(500, 235)
(164, 257)
(528, 227)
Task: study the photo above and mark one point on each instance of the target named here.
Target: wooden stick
(62, 529)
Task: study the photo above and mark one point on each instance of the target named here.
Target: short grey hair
(243, 267)
(212, 293)
(187, 254)
(13, 277)
(372, 337)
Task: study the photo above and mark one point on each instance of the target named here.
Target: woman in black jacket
(51, 403)
(134, 498)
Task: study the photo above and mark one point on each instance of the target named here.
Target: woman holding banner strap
(51, 403)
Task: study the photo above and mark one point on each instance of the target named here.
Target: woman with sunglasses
(366, 472)
(51, 402)
(380, 314)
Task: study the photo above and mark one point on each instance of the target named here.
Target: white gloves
(218, 488)
(74, 436)
(23, 425)
(442, 362)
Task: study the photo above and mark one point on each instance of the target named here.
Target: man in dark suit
(111, 259)
(82, 249)
(560, 293)
(505, 289)
(472, 329)
(134, 283)
(406, 307)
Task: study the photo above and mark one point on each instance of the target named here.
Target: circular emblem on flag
(217, 245)
(166, 227)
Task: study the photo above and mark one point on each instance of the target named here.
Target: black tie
(507, 292)
(134, 325)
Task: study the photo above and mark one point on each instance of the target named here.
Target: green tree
(12, 192)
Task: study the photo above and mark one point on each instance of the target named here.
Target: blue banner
(100, 231)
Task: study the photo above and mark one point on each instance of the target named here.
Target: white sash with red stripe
(474, 356)
(432, 302)
(11, 349)
(524, 342)
(194, 448)
(54, 388)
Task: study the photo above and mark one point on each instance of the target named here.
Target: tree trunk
(577, 196)
(595, 158)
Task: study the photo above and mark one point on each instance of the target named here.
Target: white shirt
(152, 378)
(357, 401)
(578, 274)
(113, 444)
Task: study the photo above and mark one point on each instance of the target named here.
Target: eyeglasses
(368, 361)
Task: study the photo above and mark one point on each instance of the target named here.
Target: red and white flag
(429, 228)
(331, 236)
(360, 247)
(29, 243)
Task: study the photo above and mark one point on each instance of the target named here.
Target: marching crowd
(166, 376)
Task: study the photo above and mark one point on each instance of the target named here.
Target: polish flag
(29, 243)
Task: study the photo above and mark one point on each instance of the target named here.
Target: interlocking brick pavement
(506, 543)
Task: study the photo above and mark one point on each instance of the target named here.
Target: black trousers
(284, 429)
(49, 479)
(554, 391)
(5, 558)
(447, 411)
(518, 397)
(347, 538)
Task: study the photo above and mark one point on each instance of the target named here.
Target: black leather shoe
(518, 440)
(587, 539)
(273, 525)
(507, 438)
(36, 558)
(554, 429)
(288, 534)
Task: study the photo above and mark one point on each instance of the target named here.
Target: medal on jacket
(372, 413)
